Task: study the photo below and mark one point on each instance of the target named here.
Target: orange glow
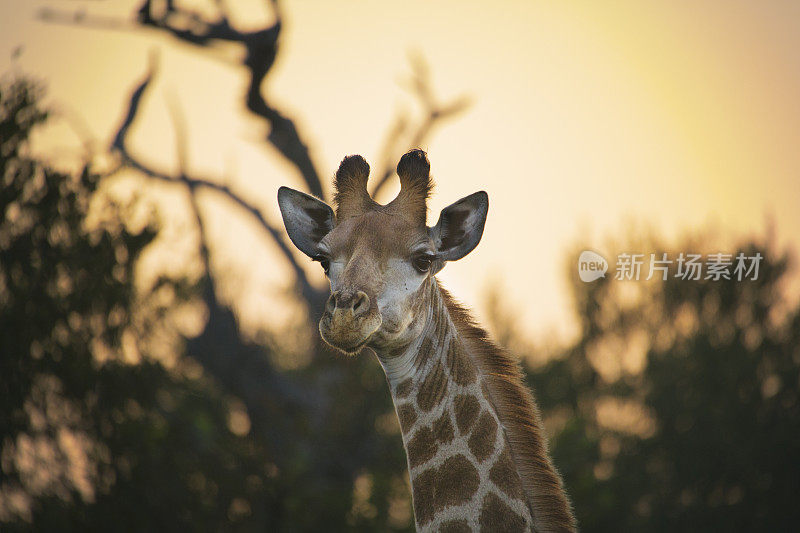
(584, 117)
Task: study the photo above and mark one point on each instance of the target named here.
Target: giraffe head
(379, 257)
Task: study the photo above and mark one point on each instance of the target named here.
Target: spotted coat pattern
(462, 474)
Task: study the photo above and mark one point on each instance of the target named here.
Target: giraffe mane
(519, 415)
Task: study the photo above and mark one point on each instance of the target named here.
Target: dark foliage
(706, 432)
(97, 432)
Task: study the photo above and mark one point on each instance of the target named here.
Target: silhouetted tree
(677, 409)
(321, 446)
(96, 432)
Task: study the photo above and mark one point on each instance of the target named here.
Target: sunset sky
(587, 121)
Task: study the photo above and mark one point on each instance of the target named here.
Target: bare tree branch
(261, 48)
(396, 142)
(238, 365)
(133, 106)
(312, 295)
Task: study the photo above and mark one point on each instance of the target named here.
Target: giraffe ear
(460, 226)
(306, 218)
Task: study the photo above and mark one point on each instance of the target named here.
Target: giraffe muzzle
(349, 320)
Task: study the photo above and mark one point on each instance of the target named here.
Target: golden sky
(587, 117)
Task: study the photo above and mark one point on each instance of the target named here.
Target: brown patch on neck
(404, 388)
(467, 410)
(422, 494)
(443, 428)
(407, 416)
(519, 416)
(504, 475)
(456, 481)
(484, 437)
(455, 526)
(497, 516)
(452, 483)
(433, 388)
(422, 447)
(462, 369)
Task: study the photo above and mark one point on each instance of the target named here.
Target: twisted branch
(119, 146)
(434, 113)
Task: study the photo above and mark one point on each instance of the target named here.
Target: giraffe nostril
(346, 301)
(330, 305)
(361, 303)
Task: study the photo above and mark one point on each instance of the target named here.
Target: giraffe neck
(462, 474)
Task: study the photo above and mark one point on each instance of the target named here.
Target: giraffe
(477, 458)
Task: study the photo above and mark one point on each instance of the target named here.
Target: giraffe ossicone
(477, 457)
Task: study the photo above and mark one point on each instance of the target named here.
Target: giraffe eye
(324, 261)
(422, 262)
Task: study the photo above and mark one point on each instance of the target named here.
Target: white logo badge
(591, 266)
